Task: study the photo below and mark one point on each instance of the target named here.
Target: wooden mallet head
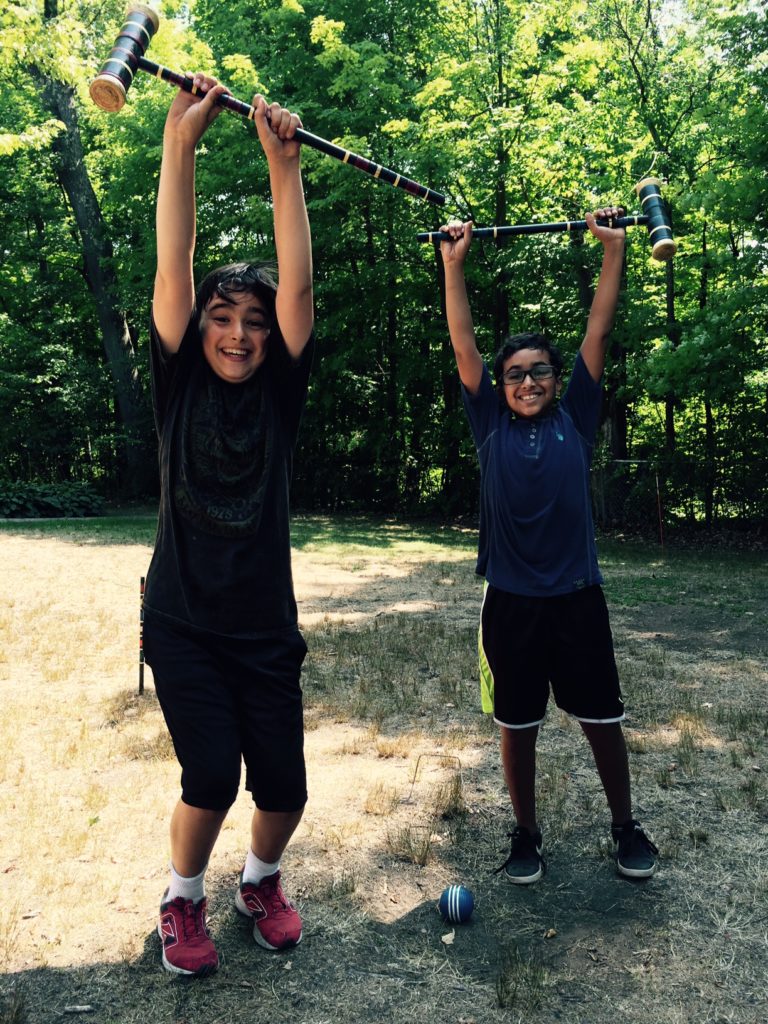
(109, 88)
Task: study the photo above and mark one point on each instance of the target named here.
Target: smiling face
(235, 333)
(529, 397)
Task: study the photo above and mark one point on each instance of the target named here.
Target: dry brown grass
(405, 796)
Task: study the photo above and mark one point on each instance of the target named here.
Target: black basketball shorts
(564, 641)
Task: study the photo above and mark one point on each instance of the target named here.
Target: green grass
(638, 573)
(107, 530)
(353, 534)
(358, 534)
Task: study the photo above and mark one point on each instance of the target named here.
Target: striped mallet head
(109, 88)
(663, 245)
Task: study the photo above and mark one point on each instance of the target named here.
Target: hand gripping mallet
(108, 91)
(655, 218)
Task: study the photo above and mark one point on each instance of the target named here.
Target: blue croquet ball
(456, 904)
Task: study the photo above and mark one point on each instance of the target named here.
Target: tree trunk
(709, 465)
(394, 420)
(673, 333)
(102, 283)
(616, 417)
(710, 470)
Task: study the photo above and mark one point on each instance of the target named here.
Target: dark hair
(233, 278)
(516, 342)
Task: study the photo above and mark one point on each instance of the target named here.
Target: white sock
(188, 888)
(255, 870)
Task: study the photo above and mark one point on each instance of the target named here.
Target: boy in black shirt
(230, 370)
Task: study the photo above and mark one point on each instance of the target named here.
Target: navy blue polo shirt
(536, 531)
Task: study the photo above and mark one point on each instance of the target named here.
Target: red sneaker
(276, 922)
(183, 931)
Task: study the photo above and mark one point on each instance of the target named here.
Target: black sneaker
(634, 851)
(524, 863)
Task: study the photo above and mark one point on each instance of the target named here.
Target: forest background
(518, 111)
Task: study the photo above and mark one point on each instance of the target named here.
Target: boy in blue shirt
(544, 620)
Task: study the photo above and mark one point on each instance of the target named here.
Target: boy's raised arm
(294, 301)
(460, 326)
(603, 310)
(174, 293)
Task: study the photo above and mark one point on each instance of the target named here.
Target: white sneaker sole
(635, 872)
(526, 880)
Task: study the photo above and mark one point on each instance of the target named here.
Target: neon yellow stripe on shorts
(486, 676)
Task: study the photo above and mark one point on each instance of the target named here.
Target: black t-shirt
(222, 558)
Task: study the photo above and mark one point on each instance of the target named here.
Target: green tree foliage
(59, 281)
(698, 85)
(516, 111)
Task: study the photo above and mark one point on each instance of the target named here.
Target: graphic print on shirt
(227, 450)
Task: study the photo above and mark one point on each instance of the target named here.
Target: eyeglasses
(539, 371)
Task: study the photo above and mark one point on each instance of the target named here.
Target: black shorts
(565, 640)
(225, 699)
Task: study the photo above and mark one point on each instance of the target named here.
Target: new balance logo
(255, 906)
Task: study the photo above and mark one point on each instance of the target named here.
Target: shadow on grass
(534, 951)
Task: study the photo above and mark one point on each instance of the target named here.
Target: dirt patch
(406, 796)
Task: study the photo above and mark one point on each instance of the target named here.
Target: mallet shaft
(655, 218)
(304, 137)
(504, 230)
